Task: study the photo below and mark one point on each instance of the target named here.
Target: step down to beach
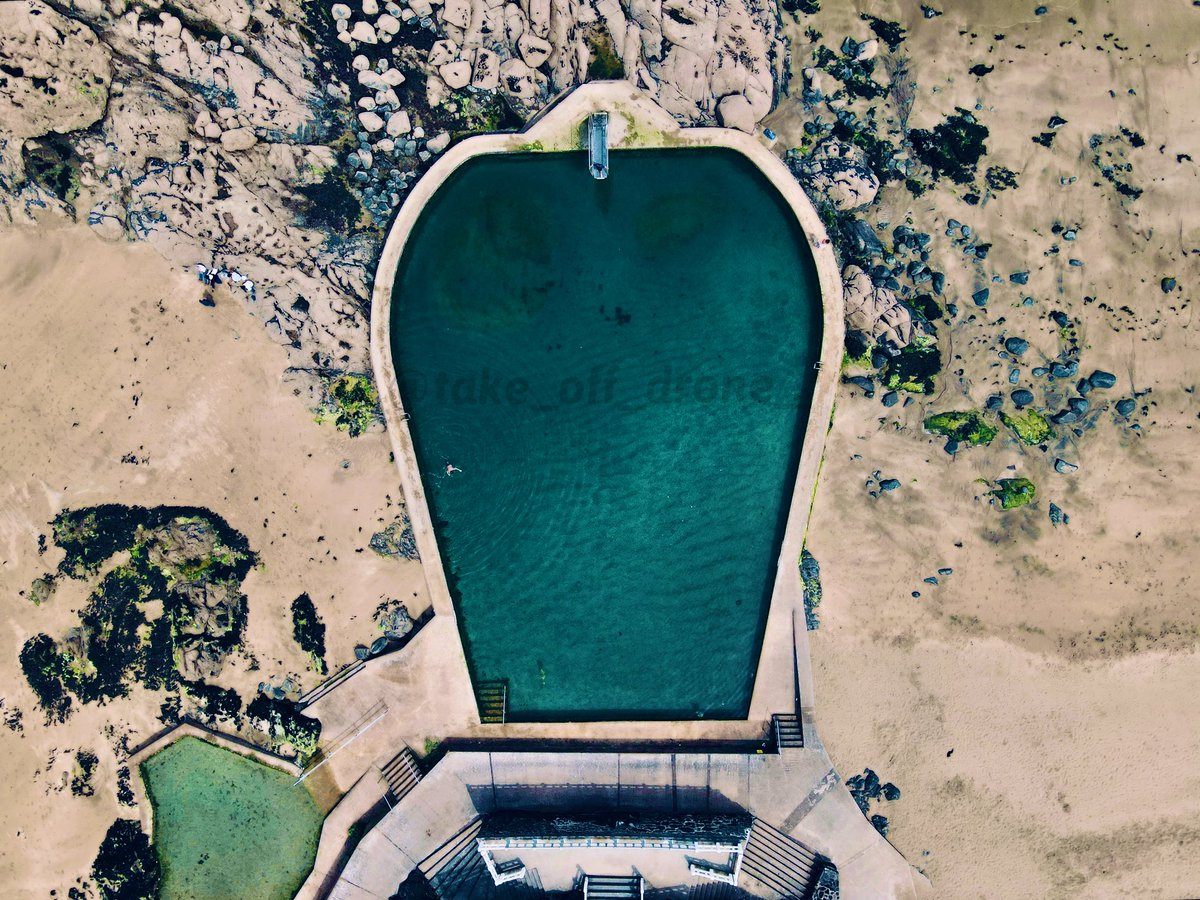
(789, 733)
(779, 863)
(456, 871)
(401, 774)
(493, 702)
(612, 887)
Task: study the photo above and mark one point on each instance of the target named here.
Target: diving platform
(598, 145)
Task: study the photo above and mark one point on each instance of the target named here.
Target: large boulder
(456, 74)
(237, 139)
(486, 74)
(838, 172)
(873, 310)
(457, 13)
(533, 49)
(735, 111)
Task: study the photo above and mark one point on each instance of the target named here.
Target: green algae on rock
(952, 148)
(1030, 426)
(168, 613)
(1014, 492)
(964, 427)
(309, 631)
(913, 369)
(126, 866)
(351, 403)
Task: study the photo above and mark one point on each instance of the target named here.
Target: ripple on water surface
(622, 371)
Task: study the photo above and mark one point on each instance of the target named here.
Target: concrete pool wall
(635, 122)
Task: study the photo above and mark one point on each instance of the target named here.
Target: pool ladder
(493, 702)
(788, 731)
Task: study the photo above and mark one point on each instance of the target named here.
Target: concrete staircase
(493, 702)
(401, 775)
(456, 871)
(781, 864)
(613, 887)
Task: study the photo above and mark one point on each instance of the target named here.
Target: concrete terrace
(684, 765)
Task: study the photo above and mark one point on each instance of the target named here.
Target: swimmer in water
(451, 469)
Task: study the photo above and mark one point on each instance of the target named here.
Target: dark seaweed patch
(953, 148)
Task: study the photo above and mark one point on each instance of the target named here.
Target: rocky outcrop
(874, 310)
(56, 72)
(275, 143)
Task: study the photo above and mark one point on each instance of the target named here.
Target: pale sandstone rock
(734, 111)
(42, 44)
(456, 74)
(371, 79)
(538, 14)
(398, 123)
(370, 121)
(514, 23)
(364, 33)
(442, 52)
(485, 76)
(438, 143)
(457, 13)
(533, 49)
(873, 310)
(839, 172)
(387, 24)
(237, 139)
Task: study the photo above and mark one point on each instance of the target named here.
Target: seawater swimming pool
(621, 370)
(228, 826)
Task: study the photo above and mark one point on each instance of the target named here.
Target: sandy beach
(1036, 706)
(90, 327)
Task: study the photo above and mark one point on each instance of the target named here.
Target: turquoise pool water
(227, 826)
(621, 370)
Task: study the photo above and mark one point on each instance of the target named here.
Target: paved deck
(775, 788)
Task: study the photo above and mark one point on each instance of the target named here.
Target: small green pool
(622, 371)
(228, 826)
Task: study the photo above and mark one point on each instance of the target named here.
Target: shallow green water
(622, 371)
(227, 826)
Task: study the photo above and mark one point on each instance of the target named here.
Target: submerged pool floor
(621, 370)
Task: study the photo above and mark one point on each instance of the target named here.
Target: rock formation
(276, 141)
(838, 172)
(875, 310)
